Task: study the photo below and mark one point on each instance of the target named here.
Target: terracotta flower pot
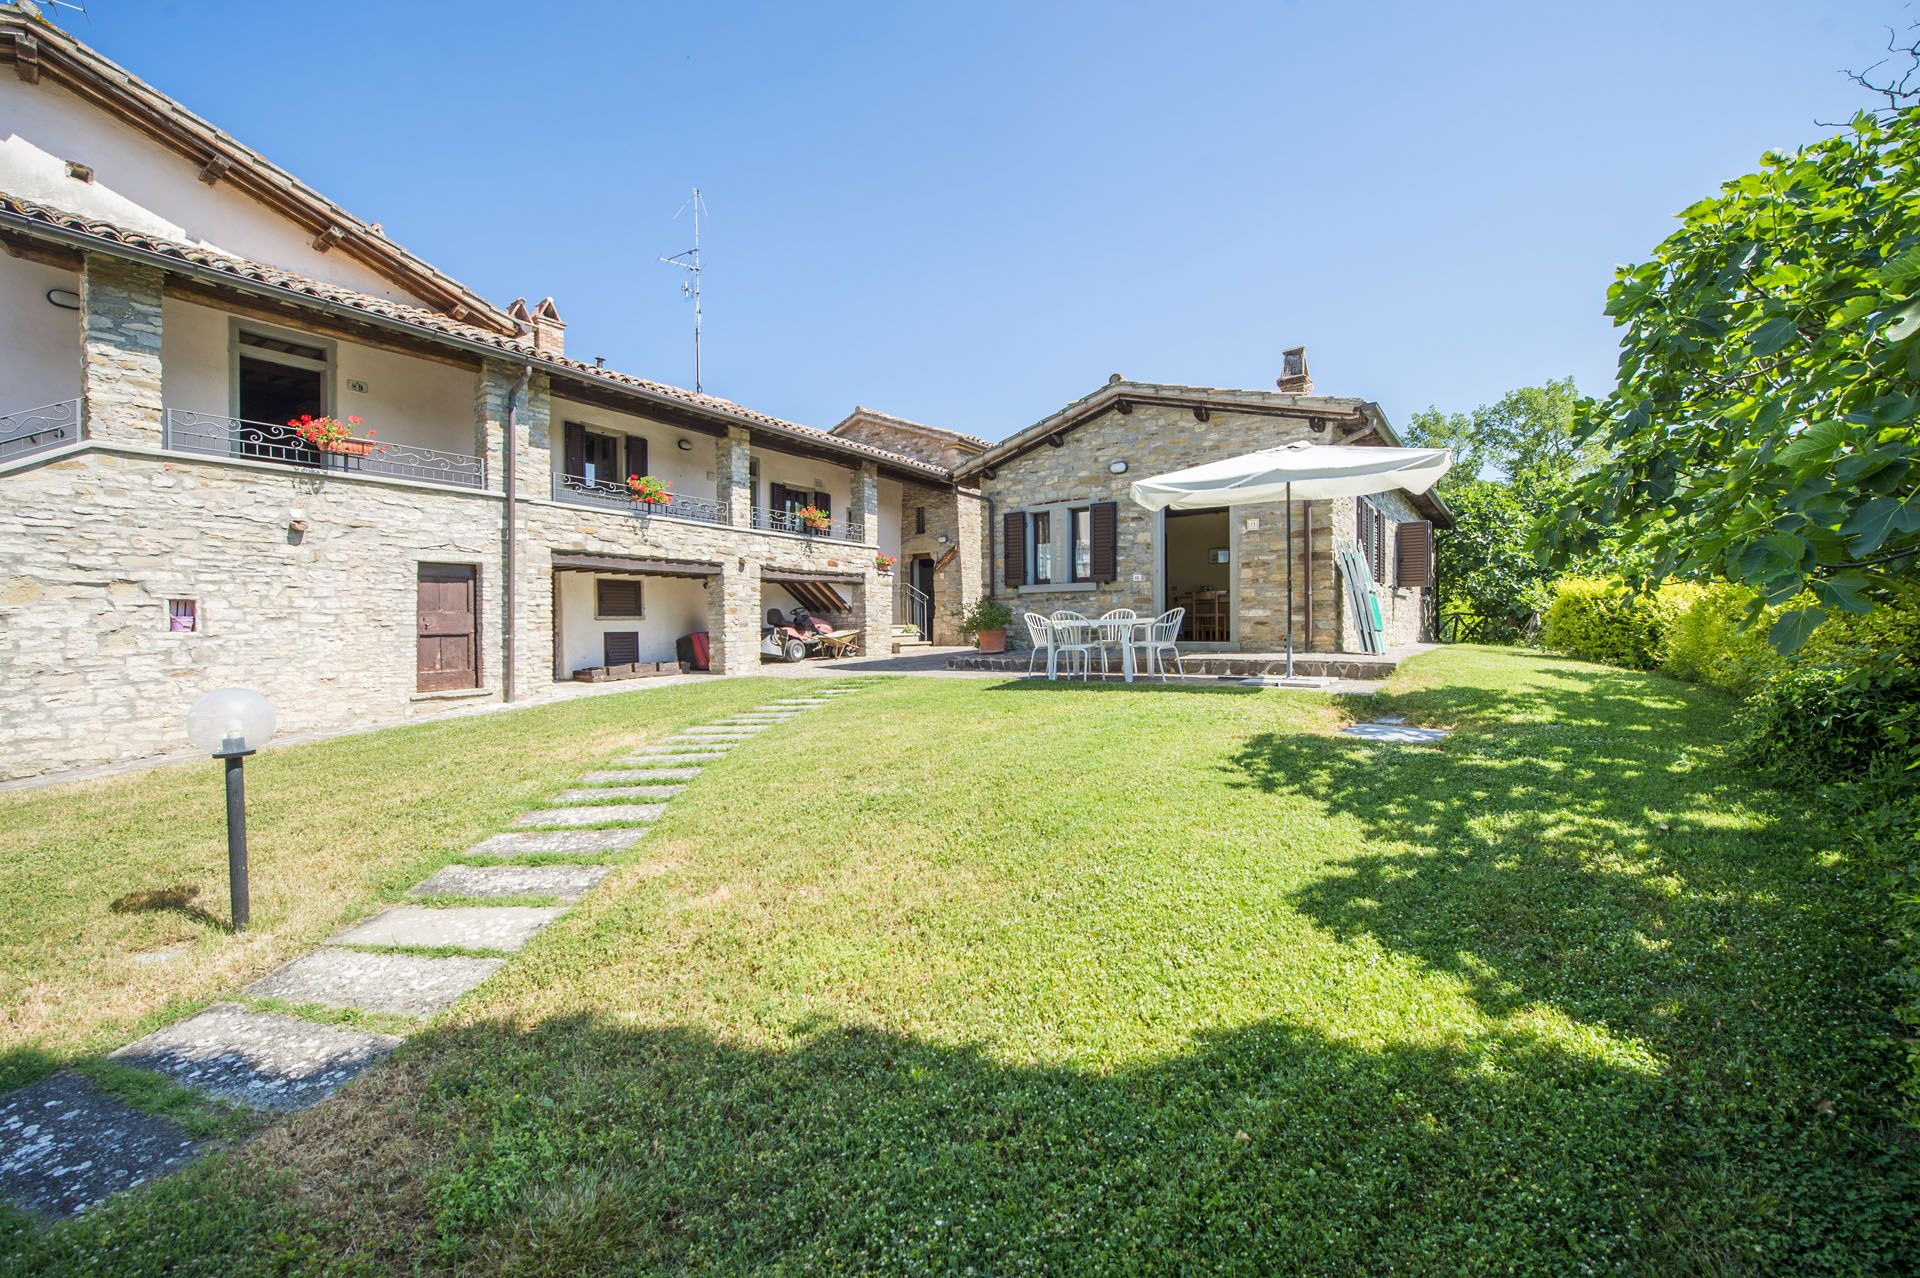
(350, 447)
(992, 641)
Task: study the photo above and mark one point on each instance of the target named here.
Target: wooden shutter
(824, 502)
(1413, 553)
(636, 455)
(777, 497)
(617, 597)
(1380, 546)
(1103, 529)
(620, 647)
(574, 457)
(1013, 548)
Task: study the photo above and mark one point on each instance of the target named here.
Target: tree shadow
(178, 899)
(584, 1146)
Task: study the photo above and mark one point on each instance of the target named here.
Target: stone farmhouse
(171, 300)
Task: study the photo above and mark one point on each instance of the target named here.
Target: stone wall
(120, 333)
(1154, 439)
(909, 439)
(952, 541)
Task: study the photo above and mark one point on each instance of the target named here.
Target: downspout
(509, 570)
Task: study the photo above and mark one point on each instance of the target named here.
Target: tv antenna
(689, 262)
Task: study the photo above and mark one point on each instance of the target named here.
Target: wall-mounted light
(65, 298)
(685, 445)
(1117, 468)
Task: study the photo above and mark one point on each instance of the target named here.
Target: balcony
(191, 432)
(578, 491)
(34, 430)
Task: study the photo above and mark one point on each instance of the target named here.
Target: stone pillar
(733, 617)
(873, 612)
(533, 463)
(733, 478)
(120, 350)
(863, 515)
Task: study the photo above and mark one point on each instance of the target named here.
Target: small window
(1220, 555)
(617, 597)
(620, 647)
(919, 519)
(1082, 542)
(183, 616)
(1042, 526)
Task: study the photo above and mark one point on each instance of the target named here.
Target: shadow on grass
(583, 1147)
(179, 899)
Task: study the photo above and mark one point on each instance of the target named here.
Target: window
(617, 597)
(1370, 533)
(919, 519)
(1081, 520)
(1041, 530)
(620, 647)
(183, 616)
(277, 377)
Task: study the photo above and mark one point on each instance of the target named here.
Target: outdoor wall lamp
(685, 445)
(230, 724)
(65, 298)
(1116, 468)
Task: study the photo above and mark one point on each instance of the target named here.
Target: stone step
(259, 1059)
(599, 814)
(724, 730)
(566, 882)
(663, 757)
(405, 984)
(65, 1145)
(638, 776)
(466, 927)
(580, 842)
(617, 793)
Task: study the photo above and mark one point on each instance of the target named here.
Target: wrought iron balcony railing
(589, 492)
(192, 432)
(35, 430)
(789, 521)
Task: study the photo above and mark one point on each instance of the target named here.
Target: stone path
(1396, 729)
(66, 1145)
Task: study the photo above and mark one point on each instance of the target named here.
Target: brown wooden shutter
(824, 502)
(620, 647)
(1362, 522)
(1013, 550)
(1103, 530)
(636, 455)
(1380, 546)
(574, 455)
(1413, 553)
(617, 597)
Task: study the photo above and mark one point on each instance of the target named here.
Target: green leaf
(1871, 523)
(1791, 632)
(1843, 591)
(1773, 335)
(1903, 323)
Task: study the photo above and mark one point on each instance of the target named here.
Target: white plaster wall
(690, 471)
(407, 400)
(39, 342)
(137, 181)
(804, 472)
(673, 607)
(892, 511)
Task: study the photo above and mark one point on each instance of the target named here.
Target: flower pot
(992, 641)
(350, 447)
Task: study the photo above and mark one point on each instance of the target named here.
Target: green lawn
(977, 977)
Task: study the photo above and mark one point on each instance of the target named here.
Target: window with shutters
(594, 457)
(1413, 553)
(1081, 521)
(620, 647)
(1040, 531)
(617, 597)
(1370, 532)
(1061, 546)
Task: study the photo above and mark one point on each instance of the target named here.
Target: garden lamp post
(230, 724)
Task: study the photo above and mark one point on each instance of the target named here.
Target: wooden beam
(329, 237)
(215, 168)
(26, 58)
(1202, 413)
(1123, 406)
(306, 321)
(1056, 441)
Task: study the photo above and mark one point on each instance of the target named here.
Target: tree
(1762, 429)
(1527, 434)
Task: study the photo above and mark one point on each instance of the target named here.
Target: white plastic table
(1122, 628)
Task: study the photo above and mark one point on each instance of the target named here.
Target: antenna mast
(689, 262)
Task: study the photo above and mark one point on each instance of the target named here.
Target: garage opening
(622, 617)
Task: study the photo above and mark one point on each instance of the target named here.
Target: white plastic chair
(1040, 634)
(1116, 637)
(1074, 634)
(1163, 637)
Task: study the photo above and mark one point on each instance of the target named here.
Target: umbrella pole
(1289, 581)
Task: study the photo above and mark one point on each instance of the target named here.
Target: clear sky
(971, 213)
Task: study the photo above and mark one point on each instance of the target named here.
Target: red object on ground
(692, 649)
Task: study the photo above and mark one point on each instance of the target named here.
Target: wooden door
(449, 649)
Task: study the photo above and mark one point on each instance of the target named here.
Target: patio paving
(599, 814)
(467, 927)
(406, 984)
(262, 1060)
(65, 1145)
(563, 882)
(581, 842)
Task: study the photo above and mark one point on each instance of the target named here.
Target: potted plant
(813, 519)
(331, 435)
(987, 620)
(884, 563)
(645, 490)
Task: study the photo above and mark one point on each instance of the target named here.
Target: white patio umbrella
(1316, 471)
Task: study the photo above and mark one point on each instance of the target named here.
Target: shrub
(1708, 639)
(1600, 620)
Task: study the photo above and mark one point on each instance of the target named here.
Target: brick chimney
(1294, 379)
(549, 330)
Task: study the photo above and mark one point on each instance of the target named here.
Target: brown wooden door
(449, 649)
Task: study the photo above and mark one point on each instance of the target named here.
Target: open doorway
(1197, 567)
(920, 596)
(276, 380)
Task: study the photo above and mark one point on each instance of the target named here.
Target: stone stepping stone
(616, 793)
(259, 1059)
(725, 730)
(639, 776)
(405, 984)
(667, 757)
(758, 720)
(467, 927)
(65, 1145)
(574, 841)
(707, 743)
(599, 814)
(1401, 733)
(567, 882)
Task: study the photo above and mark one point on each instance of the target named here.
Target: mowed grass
(1011, 978)
(113, 893)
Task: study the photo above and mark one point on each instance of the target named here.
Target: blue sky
(971, 214)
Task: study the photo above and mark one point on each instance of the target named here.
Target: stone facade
(953, 539)
(943, 448)
(1156, 438)
(120, 349)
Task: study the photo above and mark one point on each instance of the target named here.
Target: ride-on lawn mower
(792, 637)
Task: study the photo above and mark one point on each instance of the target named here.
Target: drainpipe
(993, 532)
(508, 593)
